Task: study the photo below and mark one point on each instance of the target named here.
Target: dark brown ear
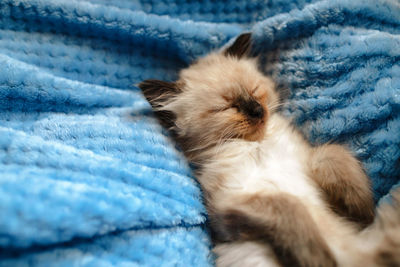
(157, 93)
(241, 47)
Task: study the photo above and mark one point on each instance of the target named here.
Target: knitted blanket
(87, 175)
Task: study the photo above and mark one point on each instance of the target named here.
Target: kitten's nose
(254, 109)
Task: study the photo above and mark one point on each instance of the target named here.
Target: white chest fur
(276, 164)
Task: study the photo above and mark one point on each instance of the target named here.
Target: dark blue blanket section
(87, 175)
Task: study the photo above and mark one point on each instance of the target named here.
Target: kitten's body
(272, 198)
(275, 165)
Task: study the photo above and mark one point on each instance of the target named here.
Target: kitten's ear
(241, 47)
(157, 93)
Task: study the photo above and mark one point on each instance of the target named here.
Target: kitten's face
(219, 97)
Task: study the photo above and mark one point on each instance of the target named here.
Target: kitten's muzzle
(256, 111)
(252, 109)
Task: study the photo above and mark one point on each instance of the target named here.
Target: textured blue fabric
(88, 177)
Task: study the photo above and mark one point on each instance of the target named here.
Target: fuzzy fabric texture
(89, 178)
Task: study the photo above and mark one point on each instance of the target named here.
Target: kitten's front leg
(279, 220)
(344, 182)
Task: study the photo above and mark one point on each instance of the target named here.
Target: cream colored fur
(275, 165)
(238, 158)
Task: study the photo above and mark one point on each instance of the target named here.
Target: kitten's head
(219, 97)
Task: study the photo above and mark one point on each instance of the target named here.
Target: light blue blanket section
(87, 175)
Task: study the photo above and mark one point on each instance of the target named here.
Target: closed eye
(227, 98)
(219, 109)
(255, 90)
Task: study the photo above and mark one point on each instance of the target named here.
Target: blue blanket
(87, 175)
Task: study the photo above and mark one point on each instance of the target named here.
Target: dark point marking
(241, 47)
(157, 92)
(280, 221)
(344, 182)
(250, 108)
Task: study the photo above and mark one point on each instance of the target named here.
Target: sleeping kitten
(272, 198)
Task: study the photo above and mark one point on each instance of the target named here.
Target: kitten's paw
(281, 222)
(344, 182)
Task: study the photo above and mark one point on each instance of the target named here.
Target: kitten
(272, 198)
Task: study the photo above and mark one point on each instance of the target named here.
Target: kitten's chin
(256, 134)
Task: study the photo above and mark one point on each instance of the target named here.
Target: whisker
(274, 106)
